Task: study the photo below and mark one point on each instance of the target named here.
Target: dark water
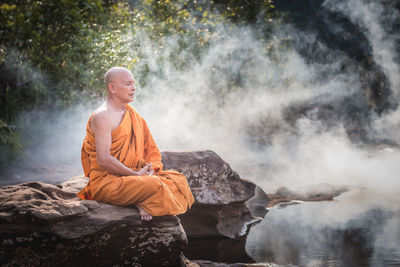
(347, 232)
(225, 250)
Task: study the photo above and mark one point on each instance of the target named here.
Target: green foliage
(193, 25)
(9, 143)
(54, 53)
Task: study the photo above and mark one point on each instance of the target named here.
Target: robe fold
(164, 193)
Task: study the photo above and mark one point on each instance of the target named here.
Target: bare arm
(152, 153)
(102, 127)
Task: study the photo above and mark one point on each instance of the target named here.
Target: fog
(279, 120)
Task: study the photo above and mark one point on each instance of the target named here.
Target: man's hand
(151, 170)
(146, 170)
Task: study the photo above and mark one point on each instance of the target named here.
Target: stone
(210, 178)
(318, 192)
(206, 263)
(225, 205)
(44, 225)
(75, 184)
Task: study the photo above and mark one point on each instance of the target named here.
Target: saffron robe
(165, 193)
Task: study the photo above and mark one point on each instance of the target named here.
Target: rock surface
(43, 225)
(46, 225)
(318, 192)
(201, 263)
(224, 203)
(211, 179)
(205, 263)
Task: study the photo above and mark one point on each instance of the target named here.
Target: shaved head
(115, 72)
(120, 85)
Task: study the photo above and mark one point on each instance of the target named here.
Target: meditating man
(122, 160)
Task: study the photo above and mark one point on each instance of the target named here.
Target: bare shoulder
(101, 119)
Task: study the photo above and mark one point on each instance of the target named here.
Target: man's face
(124, 85)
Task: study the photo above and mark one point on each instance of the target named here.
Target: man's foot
(144, 215)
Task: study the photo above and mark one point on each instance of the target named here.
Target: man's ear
(111, 87)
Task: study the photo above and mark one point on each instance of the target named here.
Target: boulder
(205, 263)
(318, 192)
(225, 205)
(46, 225)
(211, 179)
(43, 225)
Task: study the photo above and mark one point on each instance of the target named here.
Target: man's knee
(153, 183)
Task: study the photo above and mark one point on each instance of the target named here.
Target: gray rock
(205, 263)
(225, 205)
(210, 178)
(47, 225)
(75, 184)
(43, 225)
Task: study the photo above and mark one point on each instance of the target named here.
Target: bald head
(120, 85)
(114, 73)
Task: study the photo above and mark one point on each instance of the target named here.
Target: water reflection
(225, 250)
(344, 232)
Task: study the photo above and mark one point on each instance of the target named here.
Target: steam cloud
(236, 101)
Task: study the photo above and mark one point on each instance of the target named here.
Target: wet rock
(43, 225)
(258, 204)
(318, 192)
(211, 179)
(224, 204)
(205, 263)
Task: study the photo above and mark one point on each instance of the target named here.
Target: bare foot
(144, 215)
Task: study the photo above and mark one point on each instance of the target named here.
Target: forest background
(302, 94)
(273, 66)
(53, 54)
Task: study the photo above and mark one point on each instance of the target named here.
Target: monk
(122, 160)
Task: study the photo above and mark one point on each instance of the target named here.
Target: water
(338, 233)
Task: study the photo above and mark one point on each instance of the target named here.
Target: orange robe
(165, 193)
